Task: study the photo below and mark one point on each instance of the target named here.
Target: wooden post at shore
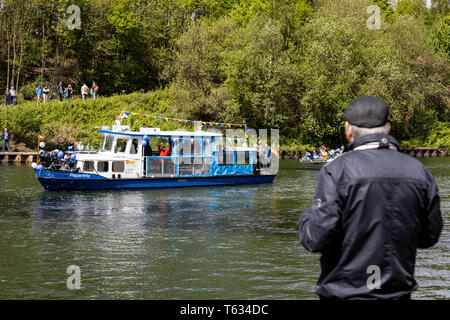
(18, 157)
(413, 152)
(5, 160)
(426, 152)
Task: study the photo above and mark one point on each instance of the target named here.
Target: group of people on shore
(10, 96)
(62, 93)
(67, 93)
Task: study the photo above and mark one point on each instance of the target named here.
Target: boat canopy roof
(158, 133)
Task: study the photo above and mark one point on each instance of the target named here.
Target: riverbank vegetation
(290, 64)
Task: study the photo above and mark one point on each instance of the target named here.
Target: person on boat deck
(123, 147)
(80, 146)
(323, 153)
(163, 151)
(148, 150)
(268, 155)
(134, 147)
(60, 146)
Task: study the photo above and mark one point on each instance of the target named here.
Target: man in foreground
(373, 207)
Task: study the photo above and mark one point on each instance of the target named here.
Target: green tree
(442, 37)
(262, 75)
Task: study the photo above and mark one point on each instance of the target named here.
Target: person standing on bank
(45, 93)
(7, 97)
(69, 92)
(39, 93)
(94, 90)
(60, 91)
(13, 94)
(84, 91)
(373, 207)
(5, 138)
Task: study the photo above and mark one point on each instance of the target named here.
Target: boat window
(121, 145)
(196, 147)
(88, 166)
(207, 147)
(102, 166)
(243, 158)
(221, 158)
(134, 147)
(184, 147)
(218, 144)
(107, 143)
(118, 166)
(226, 158)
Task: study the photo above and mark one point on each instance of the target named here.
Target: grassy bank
(78, 120)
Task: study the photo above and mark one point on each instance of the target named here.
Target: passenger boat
(129, 160)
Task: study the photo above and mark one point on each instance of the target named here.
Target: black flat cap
(367, 112)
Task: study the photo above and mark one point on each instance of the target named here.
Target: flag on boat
(41, 137)
(124, 115)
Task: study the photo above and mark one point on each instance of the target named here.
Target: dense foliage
(287, 64)
(78, 120)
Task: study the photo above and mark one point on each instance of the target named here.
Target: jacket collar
(383, 139)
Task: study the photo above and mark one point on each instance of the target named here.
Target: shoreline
(419, 152)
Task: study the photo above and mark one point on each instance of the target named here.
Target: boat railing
(179, 165)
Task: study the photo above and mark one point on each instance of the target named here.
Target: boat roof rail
(165, 133)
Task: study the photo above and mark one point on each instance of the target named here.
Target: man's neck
(383, 140)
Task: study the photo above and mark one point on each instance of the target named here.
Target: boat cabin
(151, 153)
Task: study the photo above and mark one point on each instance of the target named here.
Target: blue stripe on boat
(58, 181)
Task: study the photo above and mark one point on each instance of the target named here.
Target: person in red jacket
(163, 151)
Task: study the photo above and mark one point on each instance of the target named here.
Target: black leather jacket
(372, 207)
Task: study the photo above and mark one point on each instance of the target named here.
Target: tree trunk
(43, 52)
(13, 73)
(20, 63)
(9, 50)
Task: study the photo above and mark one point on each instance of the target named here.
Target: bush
(27, 93)
(75, 120)
(439, 136)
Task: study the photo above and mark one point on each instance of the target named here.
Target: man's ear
(348, 132)
(389, 128)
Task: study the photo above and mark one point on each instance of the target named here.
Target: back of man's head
(367, 115)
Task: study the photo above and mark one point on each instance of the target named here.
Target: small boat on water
(317, 161)
(314, 164)
(132, 160)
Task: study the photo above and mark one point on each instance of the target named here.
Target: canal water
(236, 242)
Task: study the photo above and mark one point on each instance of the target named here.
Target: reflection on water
(235, 242)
